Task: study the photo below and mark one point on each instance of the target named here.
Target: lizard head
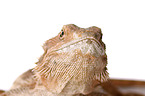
(74, 60)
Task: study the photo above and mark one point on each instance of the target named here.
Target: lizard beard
(58, 69)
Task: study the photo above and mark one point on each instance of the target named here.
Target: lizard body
(73, 64)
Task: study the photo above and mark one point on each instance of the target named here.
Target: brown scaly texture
(73, 64)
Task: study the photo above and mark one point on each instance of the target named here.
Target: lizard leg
(24, 80)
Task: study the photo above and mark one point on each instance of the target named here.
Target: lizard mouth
(86, 45)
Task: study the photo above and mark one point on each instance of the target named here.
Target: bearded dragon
(73, 64)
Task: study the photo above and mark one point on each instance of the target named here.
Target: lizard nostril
(89, 41)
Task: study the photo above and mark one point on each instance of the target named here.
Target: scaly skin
(73, 64)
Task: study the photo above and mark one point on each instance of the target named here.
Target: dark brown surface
(122, 83)
(1, 91)
(112, 85)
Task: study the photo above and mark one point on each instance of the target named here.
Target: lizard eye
(62, 33)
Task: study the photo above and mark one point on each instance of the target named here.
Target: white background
(26, 24)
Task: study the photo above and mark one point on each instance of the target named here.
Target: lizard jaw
(86, 45)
